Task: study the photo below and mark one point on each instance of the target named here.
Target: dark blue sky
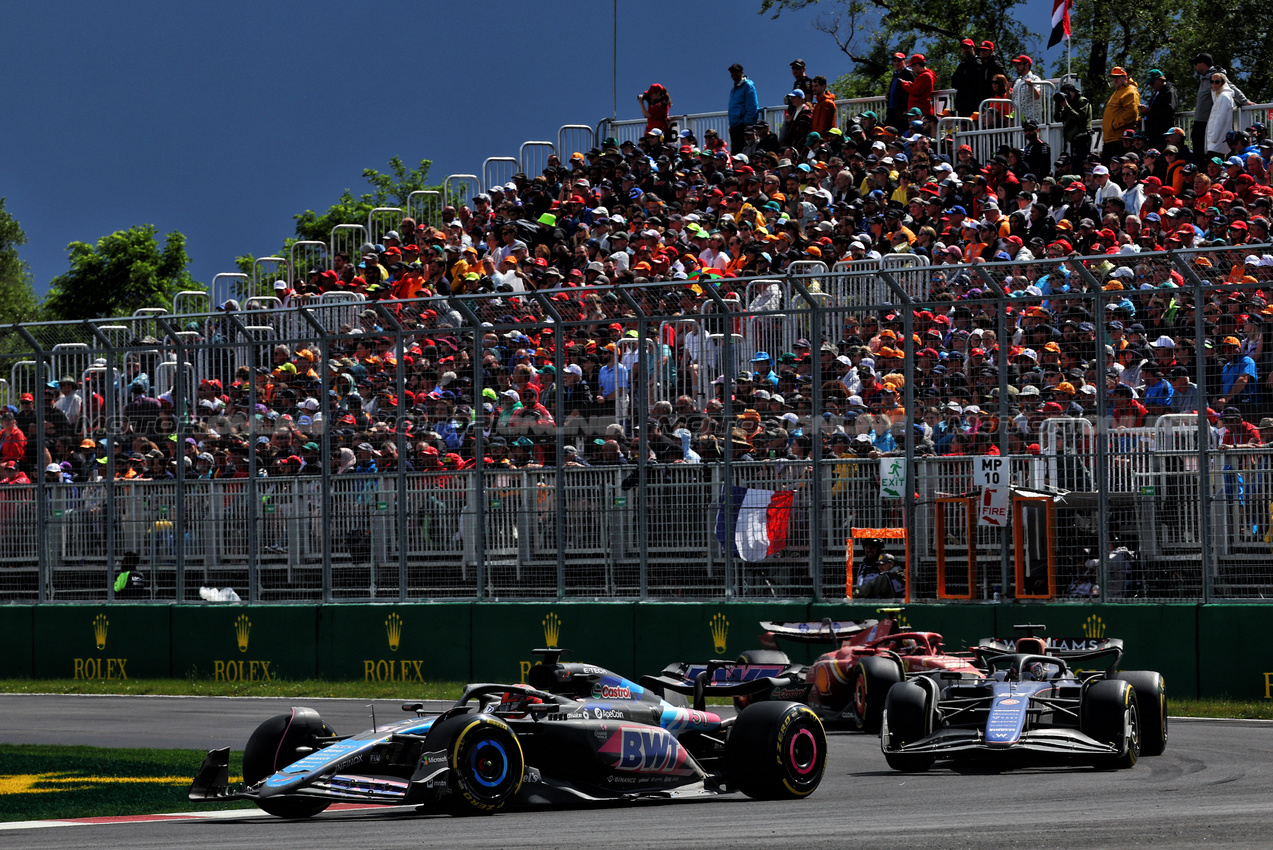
(224, 119)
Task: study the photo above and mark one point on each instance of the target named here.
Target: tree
(387, 190)
(17, 298)
(120, 274)
(1140, 35)
(868, 32)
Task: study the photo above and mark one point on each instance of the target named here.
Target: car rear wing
(825, 631)
(702, 681)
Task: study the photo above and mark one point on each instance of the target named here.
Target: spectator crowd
(678, 216)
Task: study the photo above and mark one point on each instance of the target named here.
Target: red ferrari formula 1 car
(849, 684)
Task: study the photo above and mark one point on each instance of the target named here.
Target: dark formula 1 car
(574, 733)
(849, 683)
(1032, 707)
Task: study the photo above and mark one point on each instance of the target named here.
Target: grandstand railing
(1197, 512)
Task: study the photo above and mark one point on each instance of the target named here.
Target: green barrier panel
(960, 626)
(1156, 637)
(504, 633)
(696, 632)
(244, 644)
(102, 641)
(1235, 656)
(415, 642)
(16, 624)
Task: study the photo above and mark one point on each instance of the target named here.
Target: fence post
(400, 386)
(1002, 364)
(325, 450)
(639, 394)
(250, 488)
(479, 444)
(908, 358)
(559, 403)
(180, 418)
(815, 449)
(1204, 426)
(1101, 449)
(727, 417)
(41, 518)
(110, 390)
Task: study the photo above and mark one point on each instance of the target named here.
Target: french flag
(761, 519)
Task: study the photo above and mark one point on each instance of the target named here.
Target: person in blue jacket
(744, 107)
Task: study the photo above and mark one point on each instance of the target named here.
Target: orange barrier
(875, 534)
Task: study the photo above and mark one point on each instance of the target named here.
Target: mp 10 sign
(989, 472)
(991, 475)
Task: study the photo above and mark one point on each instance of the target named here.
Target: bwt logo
(647, 752)
(720, 631)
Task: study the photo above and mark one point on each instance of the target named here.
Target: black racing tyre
(764, 656)
(1151, 702)
(909, 719)
(776, 751)
(759, 656)
(276, 743)
(869, 685)
(1104, 713)
(486, 766)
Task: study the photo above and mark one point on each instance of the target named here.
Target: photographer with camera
(1075, 112)
(655, 104)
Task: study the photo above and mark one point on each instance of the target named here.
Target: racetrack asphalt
(1211, 786)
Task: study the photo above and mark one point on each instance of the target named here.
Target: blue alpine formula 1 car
(1031, 707)
(574, 733)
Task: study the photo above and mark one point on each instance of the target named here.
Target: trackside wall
(1202, 650)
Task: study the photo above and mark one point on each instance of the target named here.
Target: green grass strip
(40, 782)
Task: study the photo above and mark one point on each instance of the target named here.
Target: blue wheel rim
(500, 757)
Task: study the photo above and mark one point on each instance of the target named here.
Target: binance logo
(1094, 628)
(720, 632)
(242, 630)
(100, 625)
(393, 631)
(552, 630)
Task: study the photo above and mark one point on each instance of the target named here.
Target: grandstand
(557, 377)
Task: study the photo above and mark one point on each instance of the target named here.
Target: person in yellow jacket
(1122, 112)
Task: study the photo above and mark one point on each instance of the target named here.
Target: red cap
(987, 45)
(899, 55)
(1023, 58)
(918, 58)
(968, 42)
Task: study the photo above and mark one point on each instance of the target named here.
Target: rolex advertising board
(16, 626)
(505, 633)
(414, 642)
(114, 642)
(261, 643)
(697, 632)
